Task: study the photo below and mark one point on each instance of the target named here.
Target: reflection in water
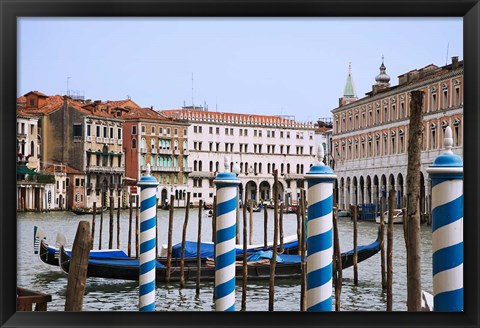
(121, 295)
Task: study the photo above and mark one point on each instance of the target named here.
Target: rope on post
(447, 227)
(320, 180)
(226, 184)
(148, 223)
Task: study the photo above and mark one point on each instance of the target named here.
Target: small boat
(288, 266)
(84, 210)
(397, 217)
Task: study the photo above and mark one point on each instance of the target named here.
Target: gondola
(84, 211)
(288, 266)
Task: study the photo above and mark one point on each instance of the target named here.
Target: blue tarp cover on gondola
(281, 258)
(372, 246)
(122, 263)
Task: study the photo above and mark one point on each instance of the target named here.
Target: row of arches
(369, 189)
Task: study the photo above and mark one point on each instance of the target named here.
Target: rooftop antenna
(446, 58)
(193, 104)
(216, 104)
(68, 78)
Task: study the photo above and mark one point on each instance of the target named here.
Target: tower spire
(349, 91)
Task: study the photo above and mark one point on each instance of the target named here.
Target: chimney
(454, 62)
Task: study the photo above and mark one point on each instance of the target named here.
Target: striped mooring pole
(446, 173)
(226, 184)
(148, 226)
(320, 180)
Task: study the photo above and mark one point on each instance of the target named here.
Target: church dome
(383, 77)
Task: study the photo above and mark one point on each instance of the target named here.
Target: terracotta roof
(64, 169)
(323, 129)
(128, 103)
(145, 113)
(193, 115)
(37, 93)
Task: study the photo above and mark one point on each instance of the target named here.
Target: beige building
(370, 134)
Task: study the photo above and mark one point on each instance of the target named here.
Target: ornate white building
(260, 144)
(370, 136)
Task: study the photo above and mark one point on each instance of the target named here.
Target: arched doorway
(265, 193)
(361, 192)
(251, 190)
(368, 192)
(400, 192)
(355, 191)
(164, 197)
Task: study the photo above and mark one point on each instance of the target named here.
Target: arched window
(200, 165)
(259, 167)
(32, 148)
(282, 167)
(211, 166)
(288, 168)
(194, 165)
(134, 143)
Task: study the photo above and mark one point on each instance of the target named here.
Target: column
(447, 227)
(320, 181)
(148, 227)
(226, 184)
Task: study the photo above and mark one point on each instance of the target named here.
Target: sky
(269, 66)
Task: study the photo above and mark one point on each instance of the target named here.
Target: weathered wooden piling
(130, 216)
(382, 246)
(391, 204)
(77, 275)
(137, 227)
(184, 237)
(265, 227)
(299, 224)
(337, 261)
(169, 238)
(281, 250)
(273, 261)
(245, 256)
(414, 288)
(355, 245)
(213, 216)
(199, 240)
(101, 223)
(250, 235)
(303, 245)
(118, 222)
(110, 230)
(92, 239)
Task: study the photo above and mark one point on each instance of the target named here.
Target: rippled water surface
(120, 295)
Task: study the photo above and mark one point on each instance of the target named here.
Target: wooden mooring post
(244, 262)
(101, 223)
(118, 221)
(250, 225)
(382, 246)
(273, 261)
(299, 225)
(110, 230)
(77, 275)
(302, 243)
(199, 240)
(337, 261)
(169, 243)
(281, 250)
(184, 237)
(355, 245)
(130, 216)
(265, 227)
(93, 224)
(391, 204)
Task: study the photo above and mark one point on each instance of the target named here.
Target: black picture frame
(10, 10)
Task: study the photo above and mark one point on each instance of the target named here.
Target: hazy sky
(287, 66)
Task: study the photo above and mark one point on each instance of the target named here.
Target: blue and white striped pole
(226, 183)
(320, 180)
(447, 227)
(148, 224)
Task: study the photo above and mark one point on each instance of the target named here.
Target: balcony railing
(187, 169)
(104, 169)
(119, 141)
(202, 174)
(89, 138)
(112, 141)
(176, 152)
(161, 168)
(143, 150)
(165, 151)
(99, 139)
(154, 150)
(186, 152)
(105, 140)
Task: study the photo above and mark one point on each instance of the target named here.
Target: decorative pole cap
(320, 170)
(448, 162)
(147, 179)
(226, 177)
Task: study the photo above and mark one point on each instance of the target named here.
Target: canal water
(120, 295)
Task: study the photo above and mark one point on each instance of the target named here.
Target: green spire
(349, 91)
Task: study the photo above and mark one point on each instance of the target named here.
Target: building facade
(83, 135)
(258, 144)
(152, 138)
(370, 135)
